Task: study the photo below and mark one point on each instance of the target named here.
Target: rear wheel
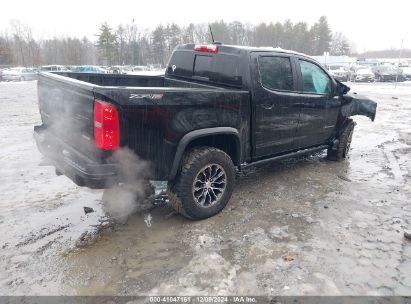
(342, 149)
(204, 184)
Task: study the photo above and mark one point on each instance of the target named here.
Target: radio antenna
(211, 32)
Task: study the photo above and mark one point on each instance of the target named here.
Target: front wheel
(204, 184)
(341, 151)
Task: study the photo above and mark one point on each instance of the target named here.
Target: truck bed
(155, 113)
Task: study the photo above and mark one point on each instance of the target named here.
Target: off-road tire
(343, 147)
(180, 190)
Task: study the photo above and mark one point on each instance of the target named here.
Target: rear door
(319, 108)
(275, 96)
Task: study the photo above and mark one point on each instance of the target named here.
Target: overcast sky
(370, 25)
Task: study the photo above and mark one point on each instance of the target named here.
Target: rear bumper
(364, 78)
(79, 168)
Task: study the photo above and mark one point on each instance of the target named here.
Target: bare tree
(18, 30)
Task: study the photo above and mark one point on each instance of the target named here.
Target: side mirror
(340, 88)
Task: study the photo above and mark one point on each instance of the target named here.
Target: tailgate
(66, 109)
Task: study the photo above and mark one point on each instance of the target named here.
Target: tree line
(126, 44)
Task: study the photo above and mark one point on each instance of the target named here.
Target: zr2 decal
(149, 96)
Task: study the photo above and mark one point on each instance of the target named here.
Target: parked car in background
(113, 70)
(353, 70)
(364, 75)
(388, 73)
(90, 69)
(406, 72)
(121, 69)
(73, 68)
(339, 72)
(19, 74)
(139, 68)
(1, 73)
(86, 69)
(103, 69)
(53, 68)
(145, 70)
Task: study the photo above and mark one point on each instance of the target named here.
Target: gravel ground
(306, 226)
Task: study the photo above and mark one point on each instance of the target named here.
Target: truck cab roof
(236, 49)
(217, 64)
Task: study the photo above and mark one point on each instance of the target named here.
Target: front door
(275, 96)
(319, 108)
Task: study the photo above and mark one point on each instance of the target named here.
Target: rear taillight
(206, 48)
(106, 126)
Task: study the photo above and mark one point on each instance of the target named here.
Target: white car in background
(364, 75)
(406, 71)
(19, 74)
(1, 73)
(339, 72)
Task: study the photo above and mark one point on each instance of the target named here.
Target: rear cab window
(203, 66)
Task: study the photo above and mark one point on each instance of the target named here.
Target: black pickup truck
(218, 110)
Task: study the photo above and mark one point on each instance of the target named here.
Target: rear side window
(276, 73)
(203, 66)
(315, 80)
(227, 70)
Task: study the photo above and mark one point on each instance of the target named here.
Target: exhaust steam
(135, 193)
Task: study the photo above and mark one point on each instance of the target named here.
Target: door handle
(267, 106)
